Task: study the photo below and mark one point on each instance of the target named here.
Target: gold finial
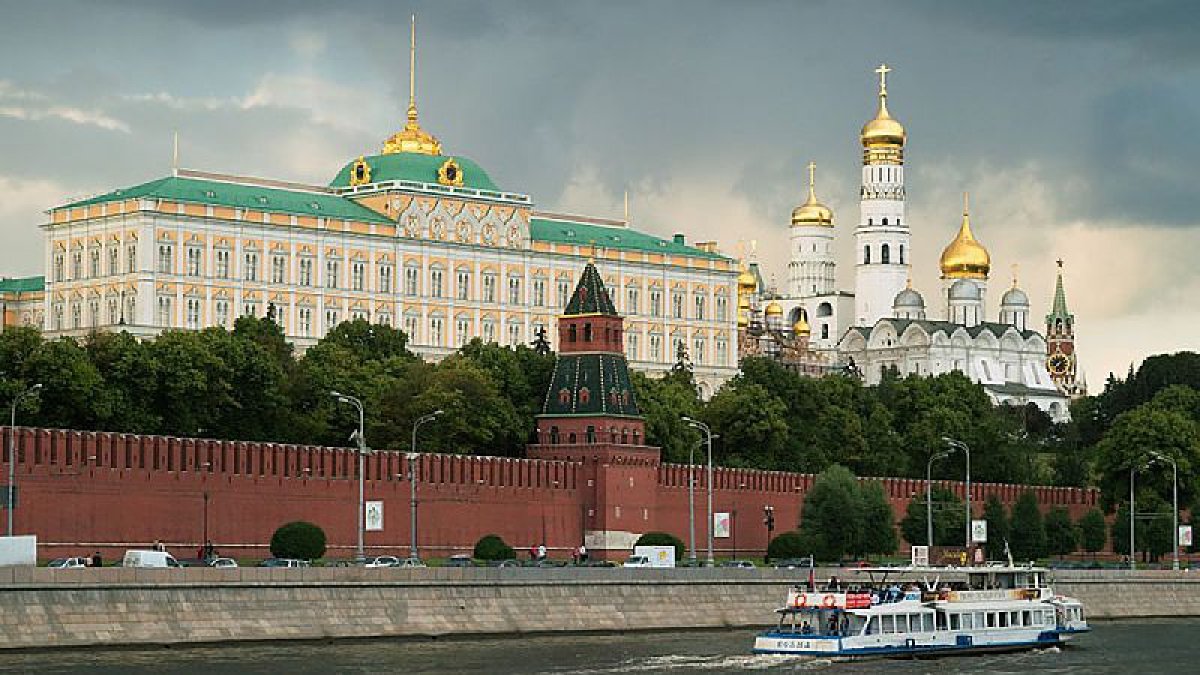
(908, 283)
(592, 255)
(883, 70)
(966, 203)
(812, 180)
(412, 138)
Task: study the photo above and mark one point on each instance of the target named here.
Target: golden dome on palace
(812, 211)
(412, 138)
(774, 309)
(965, 258)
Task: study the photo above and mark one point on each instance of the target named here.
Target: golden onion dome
(746, 282)
(965, 258)
(743, 319)
(801, 326)
(744, 303)
(774, 309)
(812, 212)
(883, 130)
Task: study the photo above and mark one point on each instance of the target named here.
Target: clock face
(1058, 364)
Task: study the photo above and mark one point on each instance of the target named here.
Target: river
(1113, 647)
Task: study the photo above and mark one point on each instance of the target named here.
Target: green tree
(832, 516)
(786, 545)
(664, 403)
(1062, 536)
(1093, 531)
(949, 519)
(1028, 530)
(663, 539)
(998, 529)
(298, 539)
(1154, 523)
(751, 424)
(130, 373)
(492, 547)
(1134, 438)
(879, 520)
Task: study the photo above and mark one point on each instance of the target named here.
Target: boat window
(991, 619)
(954, 622)
(1014, 618)
(966, 621)
(941, 620)
(873, 626)
(979, 620)
(1025, 620)
(889, 623)
(1003, 620)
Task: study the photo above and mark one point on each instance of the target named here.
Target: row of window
(885, 253)
(110, 255)
(921, 623)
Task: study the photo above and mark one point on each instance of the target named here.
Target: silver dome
(1015, 296)
(964, 289)
(908, 298)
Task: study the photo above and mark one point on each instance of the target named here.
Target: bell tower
(882, 235)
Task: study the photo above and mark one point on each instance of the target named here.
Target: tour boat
(918, 611)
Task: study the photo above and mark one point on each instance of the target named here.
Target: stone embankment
(42, 608)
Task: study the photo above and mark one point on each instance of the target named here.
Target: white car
(223, 563)
(383, 561)
(638, 561)
(68, 563)
(157, 559)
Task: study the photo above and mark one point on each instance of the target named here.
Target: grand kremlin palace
(410, 237)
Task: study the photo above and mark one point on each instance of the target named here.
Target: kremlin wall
(85, 491)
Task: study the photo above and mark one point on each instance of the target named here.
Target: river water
(1144, 647)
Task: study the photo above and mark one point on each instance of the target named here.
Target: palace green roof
(609, 237)
(22, 284)
(413, 166)
(241, 195)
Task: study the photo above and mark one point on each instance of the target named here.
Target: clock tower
(1060, 343)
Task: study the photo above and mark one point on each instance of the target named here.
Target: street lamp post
(708, 442)
(1132, 510)
(12, 453)
(412, 481)
(692, 502)
(362, 466)
(769, 521)
(966, 450)
(929, 495)
(1174, 506)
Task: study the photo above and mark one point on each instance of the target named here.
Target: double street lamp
(12, 453)
(412, 481)
(959, 445)
(708, 436)
(1158, 457)
(361, 439)
(929, 493)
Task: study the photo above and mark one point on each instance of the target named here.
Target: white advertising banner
(1185, 535)
(374, 517)
(978, 531)
(721, 525)
(920, 556)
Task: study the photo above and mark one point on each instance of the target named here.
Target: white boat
(916, 611)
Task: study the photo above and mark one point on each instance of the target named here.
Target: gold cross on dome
(883, 70)
(812, 172)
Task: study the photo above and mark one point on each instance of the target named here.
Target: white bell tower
(883, 252)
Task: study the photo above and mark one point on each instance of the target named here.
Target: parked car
(509, 563)
(153, 559)
(411, 562)
(461, 560)
(68, 563)
(383, 561)
(792, 563)
(637, 561)
(222, 563)
(739, 564)
(283, 562)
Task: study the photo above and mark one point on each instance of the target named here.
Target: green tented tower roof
(590, 296)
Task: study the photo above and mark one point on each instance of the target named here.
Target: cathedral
(885, 324)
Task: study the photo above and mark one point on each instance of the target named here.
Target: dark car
(460, 561)
(283, 562)
(792, 563)
(739, 564)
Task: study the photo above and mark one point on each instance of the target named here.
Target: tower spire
(412, 138)
(1059, 308)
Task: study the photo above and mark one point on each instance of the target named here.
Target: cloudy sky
(1072, 124)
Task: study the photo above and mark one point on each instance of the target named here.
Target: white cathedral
(885, 323)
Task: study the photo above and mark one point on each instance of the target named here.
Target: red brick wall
(83, 491)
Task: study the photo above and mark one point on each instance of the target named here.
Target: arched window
(571, 333)
(587, 332)
(885, 254)
(866, 255)
(824, 331)
(885, 222)
(901, 254)
(554, 435)
(869, 222)
(591, 435)
(571, 438)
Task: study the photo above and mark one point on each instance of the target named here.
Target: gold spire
(412, 138)
(883, 131)
(812, 212)
(965, 258)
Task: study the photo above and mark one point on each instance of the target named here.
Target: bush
(300, 539)
(492, 547)
(663, 539)
(787, 545)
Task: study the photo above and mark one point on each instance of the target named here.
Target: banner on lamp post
(1185, 535)
(374, 517)
(978, 531)
(721, 525)
(920, 556)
